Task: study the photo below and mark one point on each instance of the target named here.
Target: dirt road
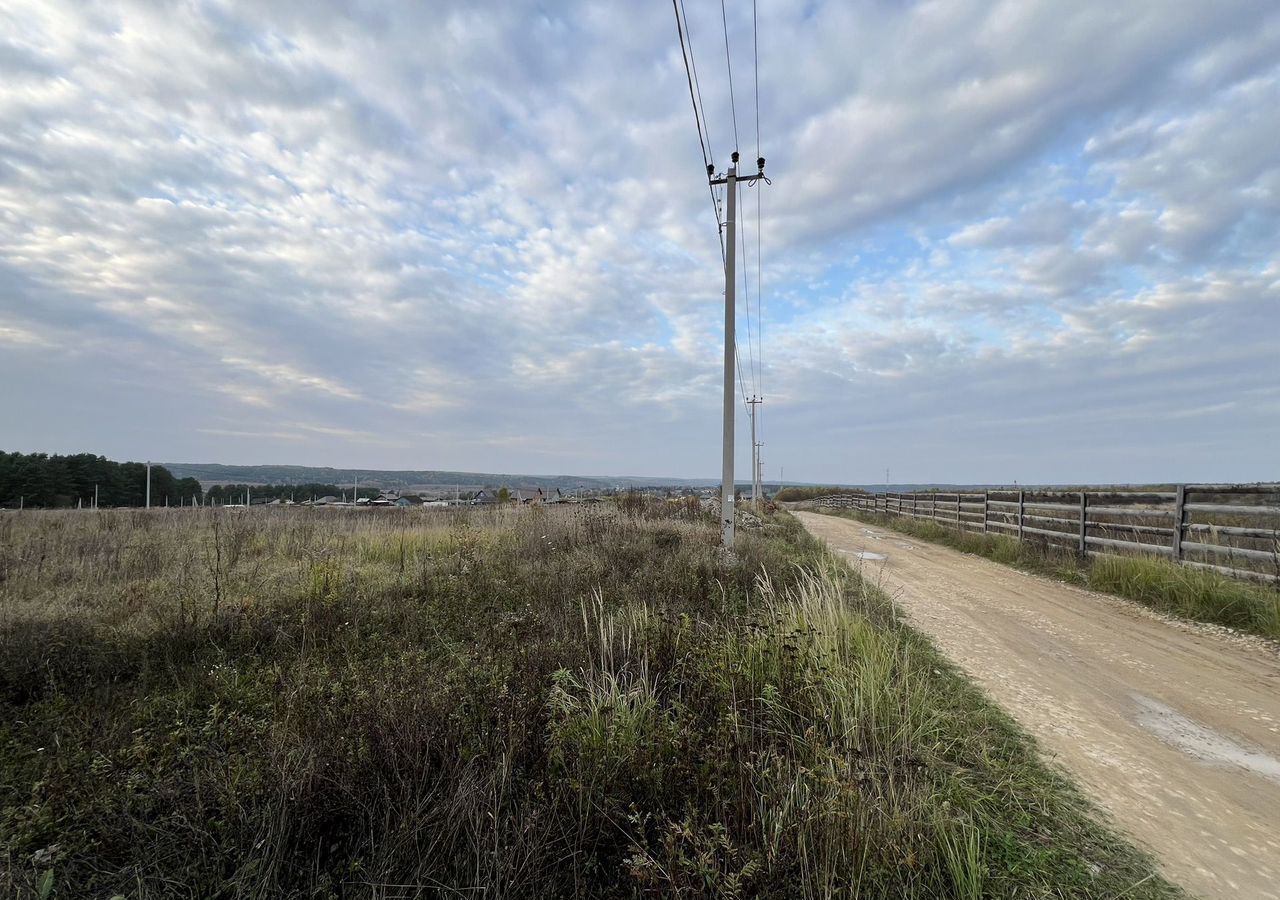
(1175, 731)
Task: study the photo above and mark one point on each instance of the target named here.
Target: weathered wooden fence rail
(1226, 528)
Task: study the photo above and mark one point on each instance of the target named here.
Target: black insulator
(711, 171)
(734, 157)
(760, 163)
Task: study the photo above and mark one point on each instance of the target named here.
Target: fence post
(1084, 507)
(1022, 496)
(1179, 520)
(986, 509)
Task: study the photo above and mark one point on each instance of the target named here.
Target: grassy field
(1159, 583)
(525, 703)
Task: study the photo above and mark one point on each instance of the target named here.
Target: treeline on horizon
(50, 481)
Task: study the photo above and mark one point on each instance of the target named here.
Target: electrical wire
(755, 70)
(755, 59)
(702, 110)
(695, 100)
(688, 74)
(704, 139)
(733, 106)
(746, 298)
(733, 110)
(759, 303)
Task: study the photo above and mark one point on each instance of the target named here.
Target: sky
(1022, 241)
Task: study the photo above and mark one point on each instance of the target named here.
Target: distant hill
(216, 473)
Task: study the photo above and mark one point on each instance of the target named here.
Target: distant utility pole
(759, 473)
(755, 455)
(730, 181)
(148, 484)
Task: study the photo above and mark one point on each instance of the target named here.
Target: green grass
(503, 704)
(1162, 584)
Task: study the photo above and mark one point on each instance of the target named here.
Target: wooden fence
(1226, 528)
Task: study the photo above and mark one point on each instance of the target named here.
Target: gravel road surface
(1171, 728)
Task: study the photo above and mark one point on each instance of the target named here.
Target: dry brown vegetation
(511, 703)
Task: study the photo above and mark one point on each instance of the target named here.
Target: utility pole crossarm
(749, 179)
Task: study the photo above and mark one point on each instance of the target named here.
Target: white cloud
(476, 235)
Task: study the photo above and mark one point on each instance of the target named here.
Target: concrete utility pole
(730, 349)
(755, 455)
(148, 484)
(730, 181)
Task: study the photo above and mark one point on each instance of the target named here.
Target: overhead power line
(695, 100)
(746, 303)
(731, 234)
(693, 63)
(755, 71)
(728, 61)
(688, 73)
(755, 68)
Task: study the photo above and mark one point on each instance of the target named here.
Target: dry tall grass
(513, 703)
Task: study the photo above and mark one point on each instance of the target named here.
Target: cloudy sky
(1023, 240)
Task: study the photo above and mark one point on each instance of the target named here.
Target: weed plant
(1162, 584)
(516, 703)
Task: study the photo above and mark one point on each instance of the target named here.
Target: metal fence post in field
(1022, 497)
(1179, 520)
(986, 509)
(1084, 522)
